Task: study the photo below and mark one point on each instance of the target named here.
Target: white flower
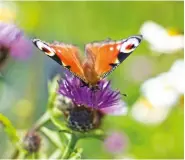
(160, 39)
(159, 91)
(144, 112)
(177, 76)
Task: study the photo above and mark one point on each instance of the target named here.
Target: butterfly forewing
(109, 54)
(64, 54)
(105, 54)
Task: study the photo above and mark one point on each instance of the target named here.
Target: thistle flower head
(89, 106)
(32, 141)
(100, 99)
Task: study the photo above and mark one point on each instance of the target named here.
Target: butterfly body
(101, 57)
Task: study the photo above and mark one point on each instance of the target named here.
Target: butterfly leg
(95, 88)
(83, 84)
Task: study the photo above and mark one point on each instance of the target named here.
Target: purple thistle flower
(13, 42)
(101, 99)
(89, 106)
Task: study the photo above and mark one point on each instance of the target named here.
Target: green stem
(43, 120)
(15, 154)
(56, 154)
(33, 156)
(53, 137)
(70, 147)
(47, 115)
(11, 133)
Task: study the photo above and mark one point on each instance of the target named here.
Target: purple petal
(8, 33)
(21, 49)
(12, 38)
(104, 99)
(118, 109)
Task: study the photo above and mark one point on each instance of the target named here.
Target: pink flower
(116, 142)
(13, 43)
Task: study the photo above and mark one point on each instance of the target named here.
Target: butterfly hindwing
(110, 54)
(64, 54)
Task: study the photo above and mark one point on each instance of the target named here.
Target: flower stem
(47, 115)
(70, 147)
(43, 120)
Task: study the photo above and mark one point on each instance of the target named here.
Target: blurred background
(153, 127)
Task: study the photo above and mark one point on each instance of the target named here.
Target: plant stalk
(70, 147)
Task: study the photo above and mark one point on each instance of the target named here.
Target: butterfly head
(130, 44)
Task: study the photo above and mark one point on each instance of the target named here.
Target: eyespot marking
(130, 44)
(44, 47)
(45, 50)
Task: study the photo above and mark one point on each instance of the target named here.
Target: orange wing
(107, 55)
(64, 54)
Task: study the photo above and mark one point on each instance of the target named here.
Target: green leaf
(9, 129)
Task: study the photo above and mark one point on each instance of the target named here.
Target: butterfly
(101, 57)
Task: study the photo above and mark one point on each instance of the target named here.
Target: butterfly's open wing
(107, 55)
(64, 54)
